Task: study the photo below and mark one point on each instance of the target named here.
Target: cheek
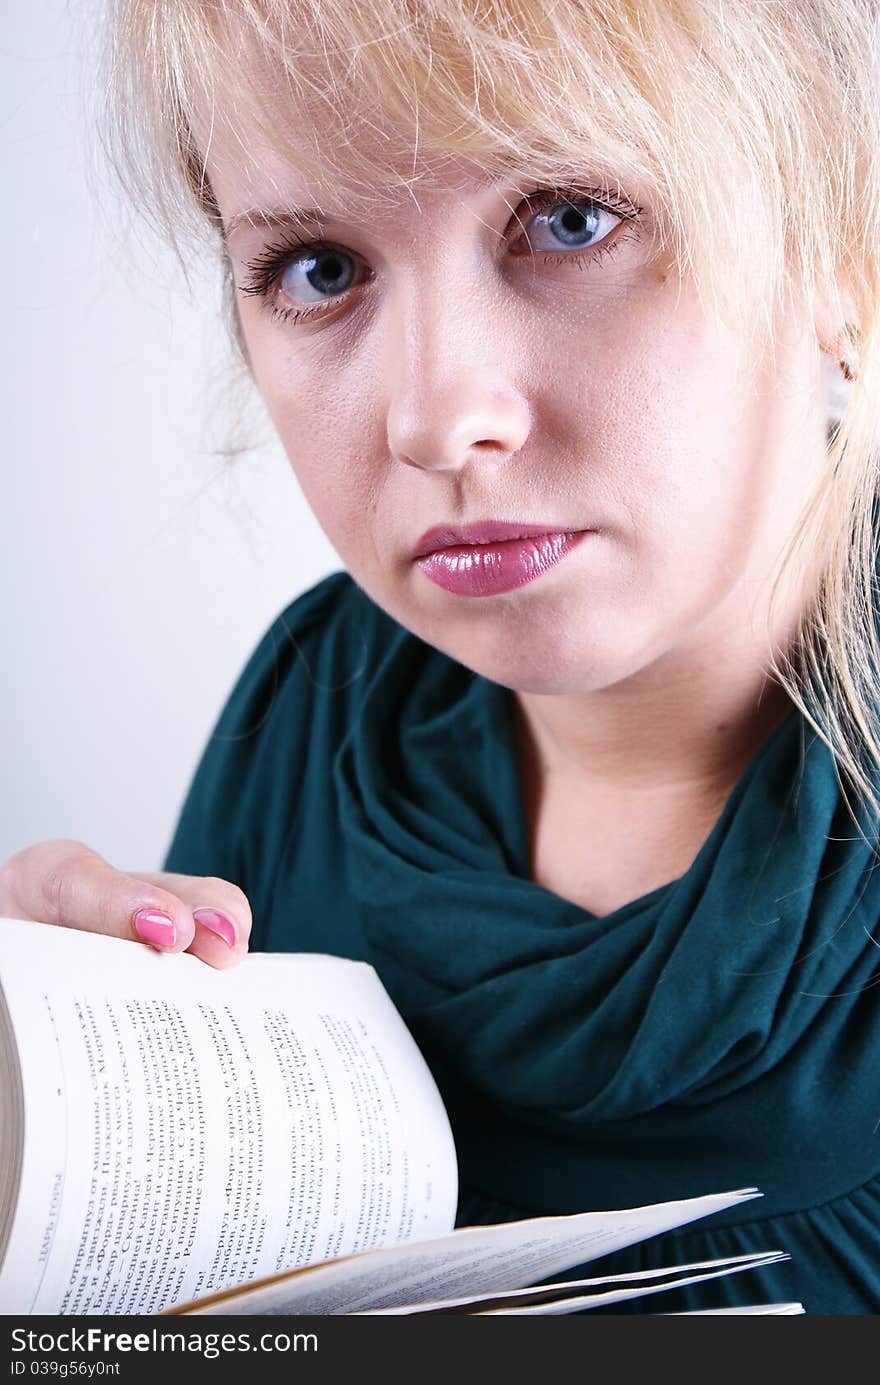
(646, 399)
(678, 457)
(323, 423)
(678, 443)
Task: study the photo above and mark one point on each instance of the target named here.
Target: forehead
(313, 133)
(307, 164)
(281, 176)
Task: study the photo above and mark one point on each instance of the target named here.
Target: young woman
(567, 317)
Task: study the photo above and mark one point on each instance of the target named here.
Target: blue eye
(574, 225)
(322, 272)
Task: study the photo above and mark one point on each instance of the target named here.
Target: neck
(702, 744)
(688, 724)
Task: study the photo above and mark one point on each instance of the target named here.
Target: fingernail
(155, 927)
(218, 923)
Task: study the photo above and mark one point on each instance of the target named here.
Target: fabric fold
(685, 994)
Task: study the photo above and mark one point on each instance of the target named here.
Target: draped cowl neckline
(568, 1019)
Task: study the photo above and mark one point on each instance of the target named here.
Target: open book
(266, 1139)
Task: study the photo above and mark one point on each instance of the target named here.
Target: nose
(452, 398)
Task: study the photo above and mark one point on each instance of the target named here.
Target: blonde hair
(751, 126)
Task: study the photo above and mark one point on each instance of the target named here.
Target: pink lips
(492, 556)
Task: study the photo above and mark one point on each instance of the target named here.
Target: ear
(836, 323)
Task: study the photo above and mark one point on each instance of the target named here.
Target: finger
(221, 912)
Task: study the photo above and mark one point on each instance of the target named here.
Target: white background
(138, 569)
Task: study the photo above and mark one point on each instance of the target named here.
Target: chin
(552, 647)
(543, 666)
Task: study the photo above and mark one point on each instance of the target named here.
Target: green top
(722, 1031)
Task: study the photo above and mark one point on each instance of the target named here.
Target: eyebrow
(300, 218)
(275, 218)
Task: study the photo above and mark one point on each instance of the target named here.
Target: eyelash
(267, 268)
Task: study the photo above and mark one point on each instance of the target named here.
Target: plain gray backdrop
(139, 569)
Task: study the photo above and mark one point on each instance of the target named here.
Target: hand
(66, 883)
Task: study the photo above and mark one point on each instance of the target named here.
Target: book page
(744, 1308)
(189, 1129)
(640, 1281)
(579, 1303)
(471, 1261)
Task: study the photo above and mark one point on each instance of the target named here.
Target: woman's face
(469, 355)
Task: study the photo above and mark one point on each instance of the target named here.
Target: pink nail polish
(218, 923)
(155, 927)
